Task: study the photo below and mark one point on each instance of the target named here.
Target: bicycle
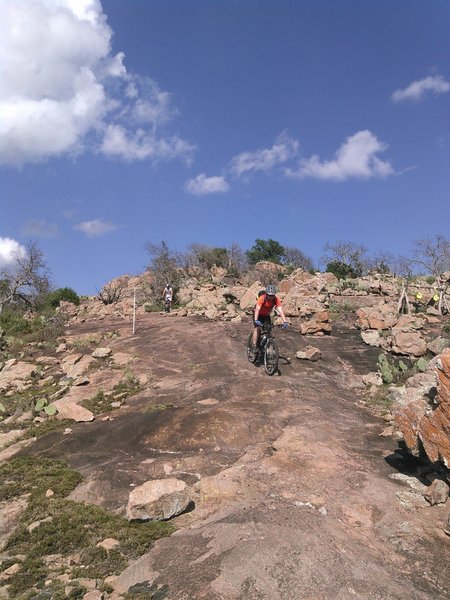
(268, 348)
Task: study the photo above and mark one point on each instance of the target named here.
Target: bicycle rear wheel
(271, 357)
(252, 352)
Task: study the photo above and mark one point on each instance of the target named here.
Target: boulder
(76, 365)
(70, 410)
(312, 327)
(380, 317)
(372, 337)
(425, 417)
(437, 492)
(102, 352)
(158, 500)
(410, 344)
(309, 353)
(248, 299)
(16, 374)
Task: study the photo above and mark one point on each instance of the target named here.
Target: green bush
(342, 270)
(13, 323)
(65, 294)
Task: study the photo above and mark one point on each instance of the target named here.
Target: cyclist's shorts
(263, 319)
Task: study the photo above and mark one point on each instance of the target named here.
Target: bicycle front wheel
(271, 357)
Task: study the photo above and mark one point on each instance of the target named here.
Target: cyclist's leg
(256, 334)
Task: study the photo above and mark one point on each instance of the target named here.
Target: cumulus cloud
(9, 251)
(40, 228)
(356, 158)
(266, 159)
(417, 89)
(61, 87)
(96, 227)
(202, 185)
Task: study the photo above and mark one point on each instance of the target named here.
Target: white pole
(134, 311)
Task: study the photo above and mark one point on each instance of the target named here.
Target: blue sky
(129, 121)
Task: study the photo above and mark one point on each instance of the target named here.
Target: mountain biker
(266, 302)
(168, 297)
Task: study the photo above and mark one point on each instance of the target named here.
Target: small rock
(32, 526)
(116, 404)
(388, 431)
(208, 402)
(309, 353)
(61, 348)
(49, 493)
(437, 492)
(102, 352)
(108, 544)
(372, 379)
(12, 570)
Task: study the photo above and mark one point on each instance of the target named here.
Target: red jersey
(266, 304)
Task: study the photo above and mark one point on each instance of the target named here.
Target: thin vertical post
(134, 311)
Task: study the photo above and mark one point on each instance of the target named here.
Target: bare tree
(432, 255)
(237, 260)
(164, 267)
(347, 254)
(297, 259)
(112, 291)
(403, 266)
(26, 279)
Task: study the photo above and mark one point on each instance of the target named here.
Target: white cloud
(96, 227)
(9, 251)
(40, 228)
(202, 185)
(356, 158)
(435, 84)
(60, 86)
(284, 149)
(140, 145)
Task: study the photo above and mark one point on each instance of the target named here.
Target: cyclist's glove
(285, 325)
(258, 323)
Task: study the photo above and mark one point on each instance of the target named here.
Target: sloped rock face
(425, 420)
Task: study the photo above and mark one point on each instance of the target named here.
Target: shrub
(342, 270)
(14, 323)
(64, 294)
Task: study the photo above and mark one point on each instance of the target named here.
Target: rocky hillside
(164, 465)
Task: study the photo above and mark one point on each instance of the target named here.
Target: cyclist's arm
(281, 313)
(256, 314)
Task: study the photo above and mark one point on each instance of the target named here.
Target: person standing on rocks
(168, 297)
(266, 302)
